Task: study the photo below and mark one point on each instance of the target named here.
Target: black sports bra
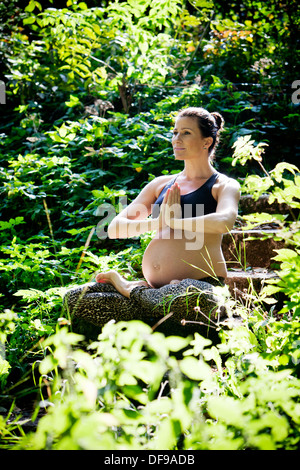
(196, 203)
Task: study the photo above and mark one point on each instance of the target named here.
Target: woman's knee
(74, 295)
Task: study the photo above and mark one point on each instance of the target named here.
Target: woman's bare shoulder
(226, 188)
(158, 183)
(150, 192)
(227, 181)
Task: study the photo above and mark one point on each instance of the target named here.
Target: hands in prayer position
(170, 207)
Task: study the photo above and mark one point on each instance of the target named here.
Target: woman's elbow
(112, 230)
(227, 223)
(224, 228)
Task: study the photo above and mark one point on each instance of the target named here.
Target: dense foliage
(91, 94)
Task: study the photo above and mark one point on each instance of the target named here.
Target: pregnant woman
(184, 262)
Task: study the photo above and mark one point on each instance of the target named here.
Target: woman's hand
(171, 205)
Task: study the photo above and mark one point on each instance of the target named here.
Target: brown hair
(210, 124)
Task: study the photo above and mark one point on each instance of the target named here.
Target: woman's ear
(207, 142)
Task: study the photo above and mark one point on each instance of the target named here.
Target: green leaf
(63, 131)
(195, 369)
(12, 222)
(213, 354)
(176, 343)
(227, 410)
(31, 6)
(74, 101)
(167, 436)
(47, 364)
(29, 20)
(4, 367)
(159, 406)
(279, 169)
(285, 254)
(199, 343)
(30, 293)
(202, 3)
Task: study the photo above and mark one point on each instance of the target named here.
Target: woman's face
(187, 139)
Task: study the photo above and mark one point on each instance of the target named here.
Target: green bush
(133, 393)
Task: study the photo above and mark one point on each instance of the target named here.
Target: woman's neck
(197, 170)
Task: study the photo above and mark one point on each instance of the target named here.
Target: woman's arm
(221, 221)
(124, 227)
(134, 219)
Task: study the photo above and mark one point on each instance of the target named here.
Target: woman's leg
(99, 303)
(120, 283)
(189, 299)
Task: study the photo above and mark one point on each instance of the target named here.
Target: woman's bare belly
(167, 258)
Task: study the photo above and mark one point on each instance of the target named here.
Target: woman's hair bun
(219, 120)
